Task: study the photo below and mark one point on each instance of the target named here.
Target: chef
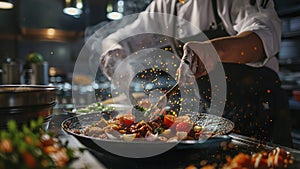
(246, 35)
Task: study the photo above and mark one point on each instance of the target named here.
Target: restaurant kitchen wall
(289, 54)
(289, 12)
(25, 29)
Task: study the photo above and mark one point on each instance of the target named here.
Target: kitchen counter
(179, 157)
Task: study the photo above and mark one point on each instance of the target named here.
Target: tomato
(169, 120)
(127, 119)
(183, 126)
(29, 160)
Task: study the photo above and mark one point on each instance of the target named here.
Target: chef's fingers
(198, 57)
(110, 60)
(184, 72)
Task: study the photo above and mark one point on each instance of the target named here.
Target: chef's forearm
(244, 48)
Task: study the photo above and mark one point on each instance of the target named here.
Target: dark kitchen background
(24, 29)
(30, 25)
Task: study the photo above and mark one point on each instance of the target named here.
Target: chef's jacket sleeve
(262, 19)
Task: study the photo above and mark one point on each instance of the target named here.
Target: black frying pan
(140, 149)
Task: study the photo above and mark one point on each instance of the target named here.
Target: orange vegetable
(127, 119)
(29, 160)
(6, 146)
(169, 120)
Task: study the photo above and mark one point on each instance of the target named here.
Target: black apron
(255, 101)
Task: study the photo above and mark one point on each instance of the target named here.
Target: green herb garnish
(30, 146)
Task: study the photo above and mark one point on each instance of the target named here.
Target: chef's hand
(199, 58)
(120, 76)
(110, 60)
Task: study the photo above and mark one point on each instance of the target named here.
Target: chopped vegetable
(169, 120)
(140, 108)
(127, 119)
(184, 127)
(95, 107)
(129, 137)
(107, 111)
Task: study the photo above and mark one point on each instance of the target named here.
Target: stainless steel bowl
(23, 103)
(26, 95)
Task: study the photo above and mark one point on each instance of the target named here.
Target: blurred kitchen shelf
(50, 34)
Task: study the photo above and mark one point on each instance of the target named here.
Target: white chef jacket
(237, 16)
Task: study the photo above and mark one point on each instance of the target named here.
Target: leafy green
(95, 107)
(140, 108)
(27, 146)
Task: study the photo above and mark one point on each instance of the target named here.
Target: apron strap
(217, 17)
(218, 29)
(176, 45)
(214, 32)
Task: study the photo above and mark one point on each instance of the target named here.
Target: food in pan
(32, 147)
(160, 126)
(274, 159)
(165, 127)
(277, 158)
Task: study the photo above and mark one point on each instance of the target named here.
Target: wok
(141, 149)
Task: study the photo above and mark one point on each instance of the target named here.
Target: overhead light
(51, 32)
(115, 9)
(73, 7)
(6, 4)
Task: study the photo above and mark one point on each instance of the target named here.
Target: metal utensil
(144, 113)
(15, 96)
(132, 98)
(23, 103)
(159, 103)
